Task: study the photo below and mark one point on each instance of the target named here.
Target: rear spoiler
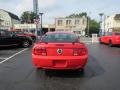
(41, 42)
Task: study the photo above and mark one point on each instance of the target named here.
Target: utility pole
(104, 24)
(101, 20)
(35, 6)
(88, 25)
(36, 21)
(41, 14)
(35, 10)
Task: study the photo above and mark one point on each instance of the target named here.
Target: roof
(117, 17)
(0, 19)
(13, 16)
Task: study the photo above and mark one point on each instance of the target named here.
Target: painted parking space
(1, 59)
(103, 66)
(6, 54)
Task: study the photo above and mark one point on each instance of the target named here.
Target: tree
(28, 17)
(93, 27)
(79, 15)
(93, 24)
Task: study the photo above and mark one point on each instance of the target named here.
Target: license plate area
(59, 63)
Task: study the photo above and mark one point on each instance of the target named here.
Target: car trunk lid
(61, 49)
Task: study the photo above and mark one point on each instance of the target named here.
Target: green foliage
(93, 27)
(79, 15)
(28, 17)
(93, 24)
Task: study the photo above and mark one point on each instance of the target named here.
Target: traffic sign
(36, 21)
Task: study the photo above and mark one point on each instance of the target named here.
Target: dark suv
(20, 33)
(7, 38)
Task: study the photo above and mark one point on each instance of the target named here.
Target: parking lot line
(2, 58)
(90, 41)
(6, 59)
(86, 41)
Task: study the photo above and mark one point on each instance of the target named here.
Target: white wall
(110, 23)
(71, 27)
(7, 21)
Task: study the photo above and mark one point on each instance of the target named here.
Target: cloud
(50, 8)
(46, 3)
(27, 5)
(61, 8)
(4, 0)
(24, 5)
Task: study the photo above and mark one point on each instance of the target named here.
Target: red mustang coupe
(112, 38)
(59, 50)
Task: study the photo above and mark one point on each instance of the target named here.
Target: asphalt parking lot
(101, 72)
(8, 53)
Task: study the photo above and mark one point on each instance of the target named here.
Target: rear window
(59, 37)
(117, 33)
(19, 32)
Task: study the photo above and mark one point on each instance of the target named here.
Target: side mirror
(13, 35)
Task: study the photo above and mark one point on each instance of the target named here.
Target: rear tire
(100, 41)
(81, 70)
(38, 68)
(25, 44)
(110, 44)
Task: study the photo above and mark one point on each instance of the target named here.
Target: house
(76, 25)
(111, 23)
(8, 19)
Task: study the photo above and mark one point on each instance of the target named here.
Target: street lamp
(101, 21)
(41, 23)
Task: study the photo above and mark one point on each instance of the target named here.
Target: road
(101, 73)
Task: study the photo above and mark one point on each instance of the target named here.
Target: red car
(112, 38)
(20, 33)
(59, 50)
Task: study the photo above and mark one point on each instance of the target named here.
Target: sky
(61, 8)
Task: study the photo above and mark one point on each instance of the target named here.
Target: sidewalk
(89, 39)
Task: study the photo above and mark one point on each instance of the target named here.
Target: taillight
(40, 51)
(79, 52)
(118, 37)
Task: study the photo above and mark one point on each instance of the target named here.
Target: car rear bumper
(117, 42)
(60, 62)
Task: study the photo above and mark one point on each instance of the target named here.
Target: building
(1, 22)
(8, 19)
(35, 6)
(111, 23)
(32, 27)
(25, 27)
(76, 25)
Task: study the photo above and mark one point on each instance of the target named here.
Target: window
(2, 33)
(83, 21)
(77, 22)
(1, 17)
(117, 33)
(109, 33)
(59, 37)
(59, 22)
(68, 22)
(59, 29)
(107, 24)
